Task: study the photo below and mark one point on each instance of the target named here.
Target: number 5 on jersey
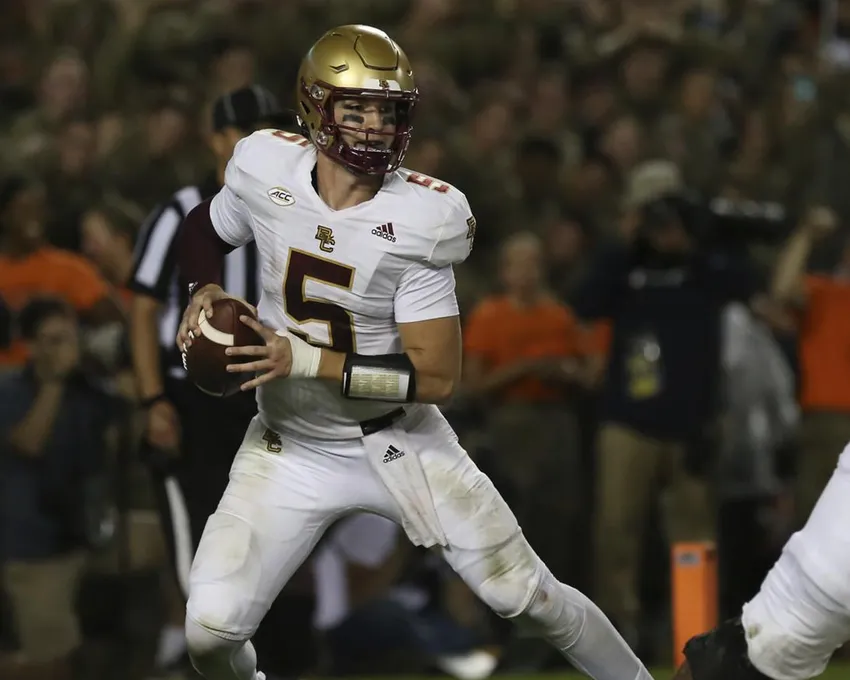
(303, 309)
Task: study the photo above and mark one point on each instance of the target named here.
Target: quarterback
(362, 338)
(801, 615)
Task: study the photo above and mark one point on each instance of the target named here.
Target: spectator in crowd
(29, 267)
(759, 416)
(72, 181)
(54, 433)
(61, 94)
(824, 336)
(537, 168)
(523, 351)
(157, 155)
(108, 236)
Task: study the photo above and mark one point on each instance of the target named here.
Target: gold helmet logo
(356, 62)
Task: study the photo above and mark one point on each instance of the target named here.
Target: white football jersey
(344, 278)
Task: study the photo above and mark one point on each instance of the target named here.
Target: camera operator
(54, 429)
(663, 292)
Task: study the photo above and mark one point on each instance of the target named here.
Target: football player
(801, 615)
(362, 339)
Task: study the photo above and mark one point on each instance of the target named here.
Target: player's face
(366, 123)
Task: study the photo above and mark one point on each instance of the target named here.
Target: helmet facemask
(377, 159)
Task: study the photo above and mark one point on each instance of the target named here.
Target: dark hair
(39, 310)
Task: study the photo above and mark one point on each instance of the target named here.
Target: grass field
(834, 672)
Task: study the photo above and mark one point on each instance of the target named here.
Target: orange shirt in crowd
(500, 333)
(46, 272)
(825, 345)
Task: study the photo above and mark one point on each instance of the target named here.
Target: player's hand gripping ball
(270, 358)
(213, 332)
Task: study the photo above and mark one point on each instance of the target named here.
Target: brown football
(206, 362)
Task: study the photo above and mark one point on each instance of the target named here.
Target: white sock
(577, 628)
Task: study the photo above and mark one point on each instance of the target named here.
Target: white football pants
(281, 498)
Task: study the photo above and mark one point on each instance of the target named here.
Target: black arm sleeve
(200, 251)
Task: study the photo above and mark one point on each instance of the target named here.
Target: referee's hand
(162, 429)
(202, 300)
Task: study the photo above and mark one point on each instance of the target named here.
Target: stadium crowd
(655, 328)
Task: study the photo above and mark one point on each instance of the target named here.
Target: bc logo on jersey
(325, 237)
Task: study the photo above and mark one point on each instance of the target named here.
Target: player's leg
(488, 550)
(801, 615)
(281, 498)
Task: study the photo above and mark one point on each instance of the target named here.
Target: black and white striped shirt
(155, 269)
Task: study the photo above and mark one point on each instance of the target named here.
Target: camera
(719, 221)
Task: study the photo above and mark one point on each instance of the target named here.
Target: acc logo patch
(281, 196)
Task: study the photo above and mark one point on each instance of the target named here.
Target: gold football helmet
(356, 62)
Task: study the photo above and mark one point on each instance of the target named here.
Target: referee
(191, 438)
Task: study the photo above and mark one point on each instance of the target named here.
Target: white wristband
(305, 357)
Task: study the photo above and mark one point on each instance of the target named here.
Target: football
(206, 362)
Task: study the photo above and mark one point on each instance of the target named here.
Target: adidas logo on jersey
(392, 454)
(385, 231)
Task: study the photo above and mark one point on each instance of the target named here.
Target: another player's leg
(488, 550)
(280, 500)
(801, 615)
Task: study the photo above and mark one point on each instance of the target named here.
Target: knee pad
(555, 611)
(512, 578)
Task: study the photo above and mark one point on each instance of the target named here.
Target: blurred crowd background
(656, 320)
